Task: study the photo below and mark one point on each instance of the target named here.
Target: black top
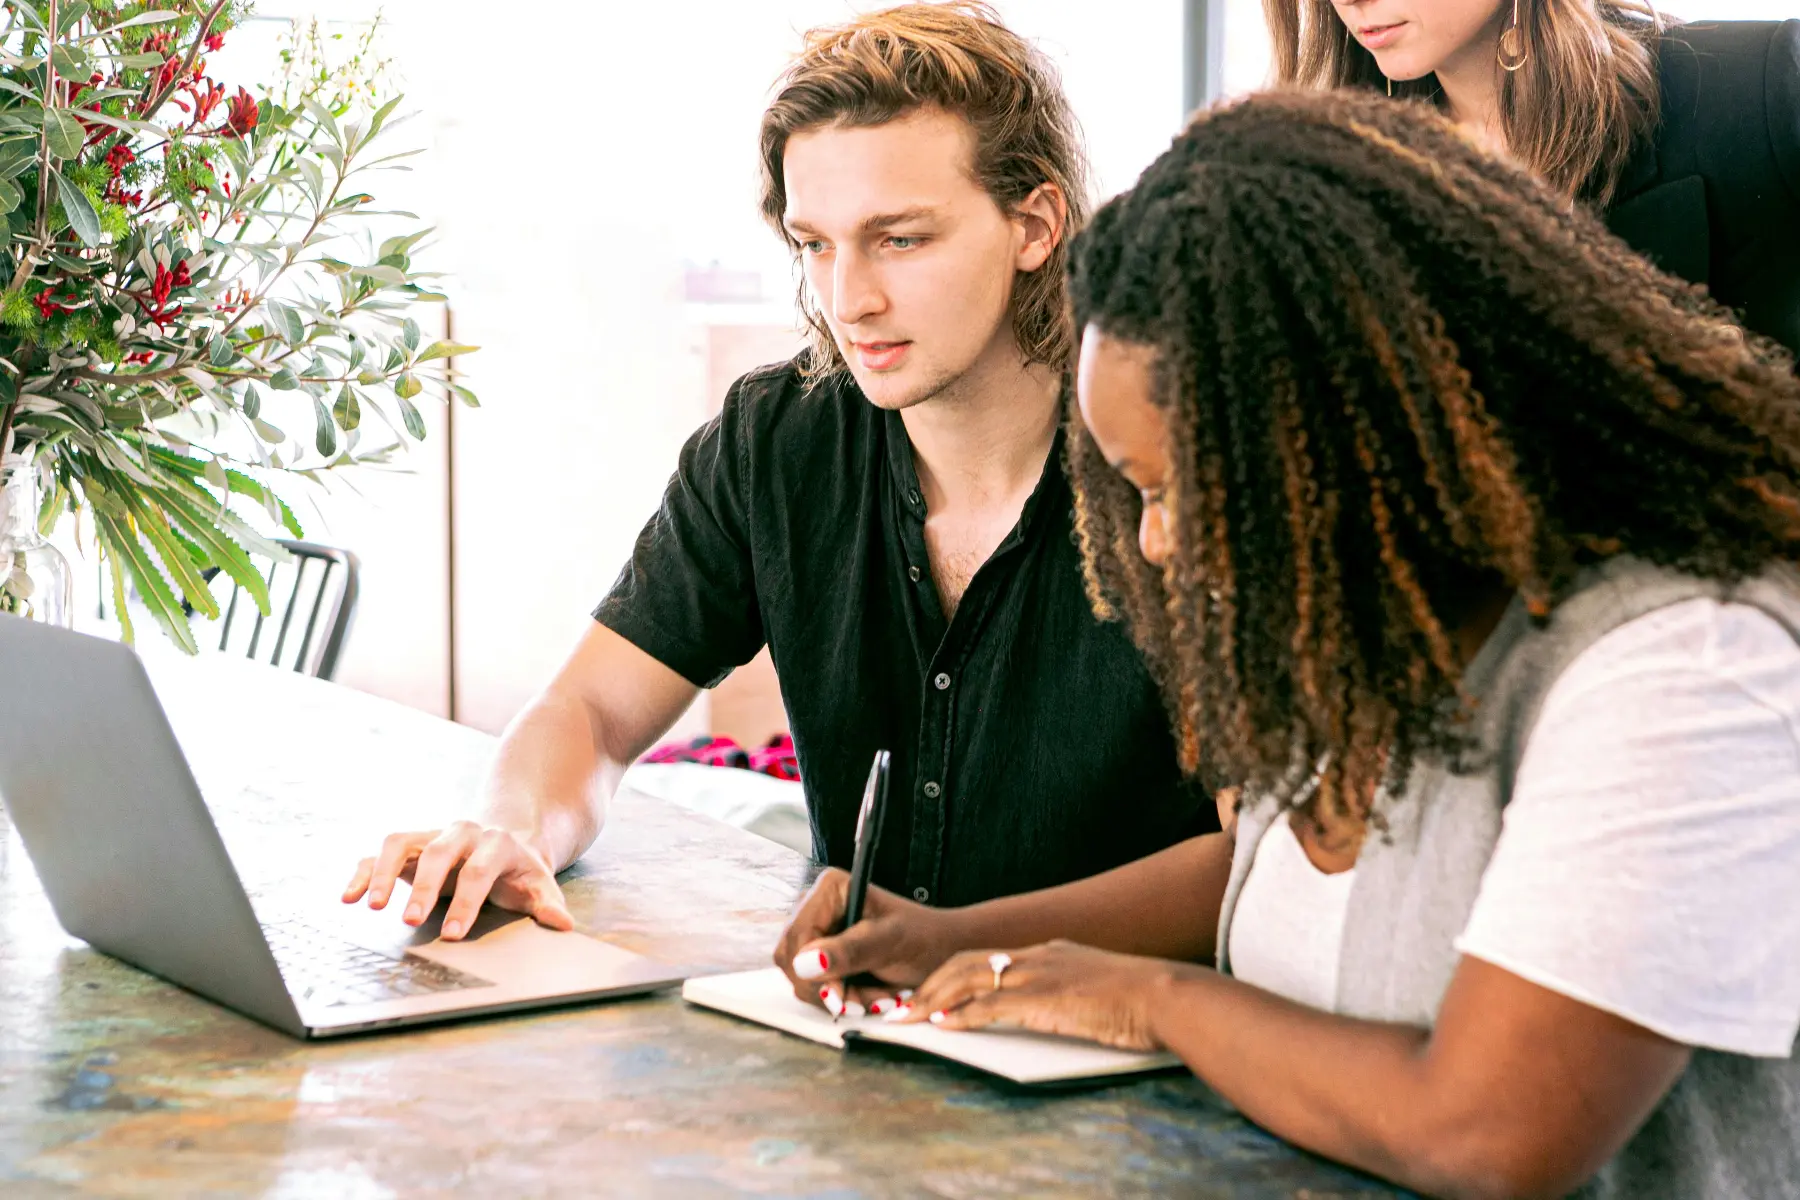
(1029, 745)
(1715, 196)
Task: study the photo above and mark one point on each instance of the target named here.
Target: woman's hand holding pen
(897, 942)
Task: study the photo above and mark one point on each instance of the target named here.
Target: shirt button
(912, 573)
(942, 682)
(932, 790)
(913, 495)
(921, 894)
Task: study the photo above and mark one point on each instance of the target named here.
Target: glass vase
(35, 581)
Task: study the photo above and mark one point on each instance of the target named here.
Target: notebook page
(1018, 1055)
(767, 997)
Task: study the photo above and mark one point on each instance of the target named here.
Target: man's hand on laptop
(474, 863)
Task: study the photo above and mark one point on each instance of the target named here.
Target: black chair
(289, 592)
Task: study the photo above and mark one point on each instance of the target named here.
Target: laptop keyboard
(332, 970)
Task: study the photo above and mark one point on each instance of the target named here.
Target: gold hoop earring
(1512, 53)
(1390, 84)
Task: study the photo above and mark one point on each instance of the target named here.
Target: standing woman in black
(1686, 137)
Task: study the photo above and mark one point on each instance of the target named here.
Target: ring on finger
(999, 961)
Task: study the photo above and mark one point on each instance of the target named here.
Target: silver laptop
(133, 864)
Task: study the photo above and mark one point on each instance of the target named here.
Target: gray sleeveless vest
(1730, 1129)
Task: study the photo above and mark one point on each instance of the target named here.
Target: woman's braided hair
(1396, 371)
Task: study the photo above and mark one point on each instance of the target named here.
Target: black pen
(868, 837)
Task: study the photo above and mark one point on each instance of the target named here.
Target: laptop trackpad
(502, 946)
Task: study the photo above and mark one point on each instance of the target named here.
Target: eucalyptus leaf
(148, 18)
(415, 424)
(63, 133)
(409, 334)
(445, 350)
(10, 196)
(286, 322)
(253, 403)
(219, 352)
(269, 433)
(70, 15)
(82, 217)
(17, 157)
(284, 380)
(391, 276)
(381, 116)
(348, 410)
(325, 438)
(465, 395)
(71, 63)
(215, 475)
(407, 386)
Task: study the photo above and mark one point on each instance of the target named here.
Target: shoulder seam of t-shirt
(1613, 661)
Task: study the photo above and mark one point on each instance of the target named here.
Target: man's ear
(1042, 218)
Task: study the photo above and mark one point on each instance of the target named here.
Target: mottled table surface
(113, 1083)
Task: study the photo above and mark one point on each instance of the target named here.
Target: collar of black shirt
(1052, 485)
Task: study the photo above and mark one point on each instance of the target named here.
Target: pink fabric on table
(776, 759)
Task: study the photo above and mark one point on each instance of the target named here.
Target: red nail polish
(824, 992)
(824, 960)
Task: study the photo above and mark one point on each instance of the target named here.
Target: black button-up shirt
(1029, 745)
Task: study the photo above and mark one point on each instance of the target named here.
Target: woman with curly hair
(1685, 135)
(1459, 540)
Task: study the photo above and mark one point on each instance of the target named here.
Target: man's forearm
(1164, 906)
(552, 779)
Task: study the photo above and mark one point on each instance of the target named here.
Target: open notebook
(1033, 1059)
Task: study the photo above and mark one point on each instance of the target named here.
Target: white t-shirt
(1649, 859)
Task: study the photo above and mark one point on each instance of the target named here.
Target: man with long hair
(887, 513)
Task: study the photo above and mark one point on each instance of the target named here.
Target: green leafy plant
(178, 262)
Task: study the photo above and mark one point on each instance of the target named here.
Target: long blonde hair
(1586, 96)
(958, 57)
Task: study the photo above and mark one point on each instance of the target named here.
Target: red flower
(48, 307)
(206, 94)
(214, 42)
(159, 311)
(241, 114)
(120, 157)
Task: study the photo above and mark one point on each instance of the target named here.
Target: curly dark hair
(1397, 373)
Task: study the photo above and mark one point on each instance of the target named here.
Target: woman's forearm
(1341, 1087)
(1164, 906)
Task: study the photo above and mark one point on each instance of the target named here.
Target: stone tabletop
(115, 1084)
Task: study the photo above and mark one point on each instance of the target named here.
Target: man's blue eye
(813, 247)
(903, 243)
